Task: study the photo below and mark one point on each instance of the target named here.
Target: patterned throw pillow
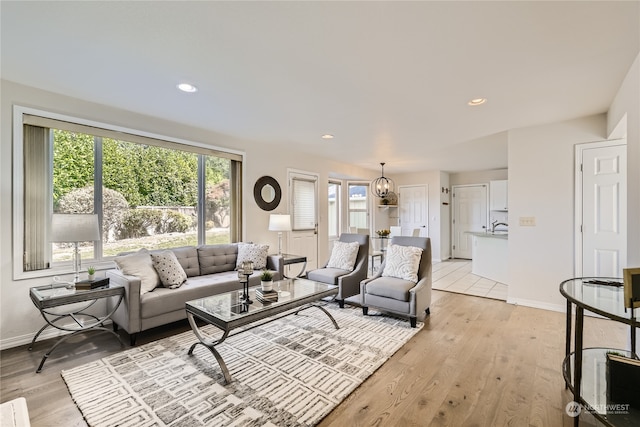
(139, 264)
(402, 262)
(255, 253)
(171, 273)
(343, 255)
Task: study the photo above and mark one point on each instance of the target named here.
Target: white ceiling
(390, 80)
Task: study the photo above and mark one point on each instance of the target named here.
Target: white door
(604, 210)
(469, 214)
(414, 210)
(303, 239)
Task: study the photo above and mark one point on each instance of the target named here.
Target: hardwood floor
(477, 362)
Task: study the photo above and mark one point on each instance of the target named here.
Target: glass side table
(50, 301)
(584, 369)
(289, 259)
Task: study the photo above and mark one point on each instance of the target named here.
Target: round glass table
(585, 369)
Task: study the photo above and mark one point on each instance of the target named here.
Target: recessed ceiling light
(477, 101)
(327, 136)
(186, 87)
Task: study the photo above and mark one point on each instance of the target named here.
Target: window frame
(337, 209)
(19, 113)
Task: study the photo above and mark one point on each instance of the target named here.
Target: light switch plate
(527, 221)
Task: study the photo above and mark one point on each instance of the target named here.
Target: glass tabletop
(229, 307)
(604, 299)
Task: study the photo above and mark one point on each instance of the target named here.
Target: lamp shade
(74, 228)
(279, 222)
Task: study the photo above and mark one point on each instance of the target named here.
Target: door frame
(291, 174)
(454, 207)
(578, 225)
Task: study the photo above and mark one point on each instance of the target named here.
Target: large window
(148, 192)
(358, 206)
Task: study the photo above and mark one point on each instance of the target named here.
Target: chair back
(423, 243)
(363, 241)
(395, 230)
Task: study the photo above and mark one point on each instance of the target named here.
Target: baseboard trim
(560, 308)
(48, 333)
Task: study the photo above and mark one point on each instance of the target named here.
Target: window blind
(304, 204)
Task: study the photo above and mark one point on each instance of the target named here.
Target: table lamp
(75, 228)
(279, 223)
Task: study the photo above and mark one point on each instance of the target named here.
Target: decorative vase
(92, 276)
(267, 286)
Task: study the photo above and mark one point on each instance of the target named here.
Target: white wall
(19, 319)
(541, 185)
(478, 177)
(627, 104)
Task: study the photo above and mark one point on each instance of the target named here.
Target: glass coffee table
(227, 311)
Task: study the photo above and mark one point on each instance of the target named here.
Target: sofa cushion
(188, 259)
(217, 258)
(168, 268)
(255, 253)
(390, 287)
(327, 275)
(343, 255)
(139, 264)
(402, 262)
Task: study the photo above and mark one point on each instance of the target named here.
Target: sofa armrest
(276, 263)
(127, 315)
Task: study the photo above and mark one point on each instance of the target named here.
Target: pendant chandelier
(381, 187)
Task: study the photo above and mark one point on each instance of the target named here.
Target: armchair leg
(365, 310)
(341, 303)
(132, 339)
(413, 321)
(115, 326)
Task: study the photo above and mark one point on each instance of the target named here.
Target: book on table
(92, 284)
(269, 296)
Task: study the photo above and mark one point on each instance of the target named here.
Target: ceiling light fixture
(477, 101)
(381, 187)
(186, 87)
(327, 136)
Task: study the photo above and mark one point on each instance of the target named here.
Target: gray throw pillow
(169, 270)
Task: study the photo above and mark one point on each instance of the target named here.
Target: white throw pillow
(402, 262)
(139, 264)
(168, 267)
(255, 253)
(343, 255)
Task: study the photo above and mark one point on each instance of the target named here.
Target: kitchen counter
(490, 258)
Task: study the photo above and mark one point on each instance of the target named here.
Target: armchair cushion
(390, 287)
(343, 255)
(402, 262)
(326, 275)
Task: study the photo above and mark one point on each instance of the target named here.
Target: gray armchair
(348, 282)
(397, 295)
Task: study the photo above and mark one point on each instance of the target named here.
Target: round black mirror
(267, 193)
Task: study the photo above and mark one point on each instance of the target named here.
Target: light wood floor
(477, 362)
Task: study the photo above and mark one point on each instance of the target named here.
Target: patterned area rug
(290, 372)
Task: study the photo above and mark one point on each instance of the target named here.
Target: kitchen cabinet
(498, 195)
(490, 256)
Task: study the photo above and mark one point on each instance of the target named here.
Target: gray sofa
(210, 270)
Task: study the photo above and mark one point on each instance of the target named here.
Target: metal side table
(47, 298)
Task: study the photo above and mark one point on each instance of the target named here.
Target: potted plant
(266, 280)
(91, 271)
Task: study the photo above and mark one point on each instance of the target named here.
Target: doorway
(601, 208)
(303, 239)
(469, 215)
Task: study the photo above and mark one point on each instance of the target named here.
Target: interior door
(303, 239)
(414, 211)
(469, 214)
(604, 210)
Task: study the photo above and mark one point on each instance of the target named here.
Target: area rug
(290, 372)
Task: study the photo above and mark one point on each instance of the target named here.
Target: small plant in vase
(266, 280)
(91, 271)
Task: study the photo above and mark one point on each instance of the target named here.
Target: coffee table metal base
(210, 343)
